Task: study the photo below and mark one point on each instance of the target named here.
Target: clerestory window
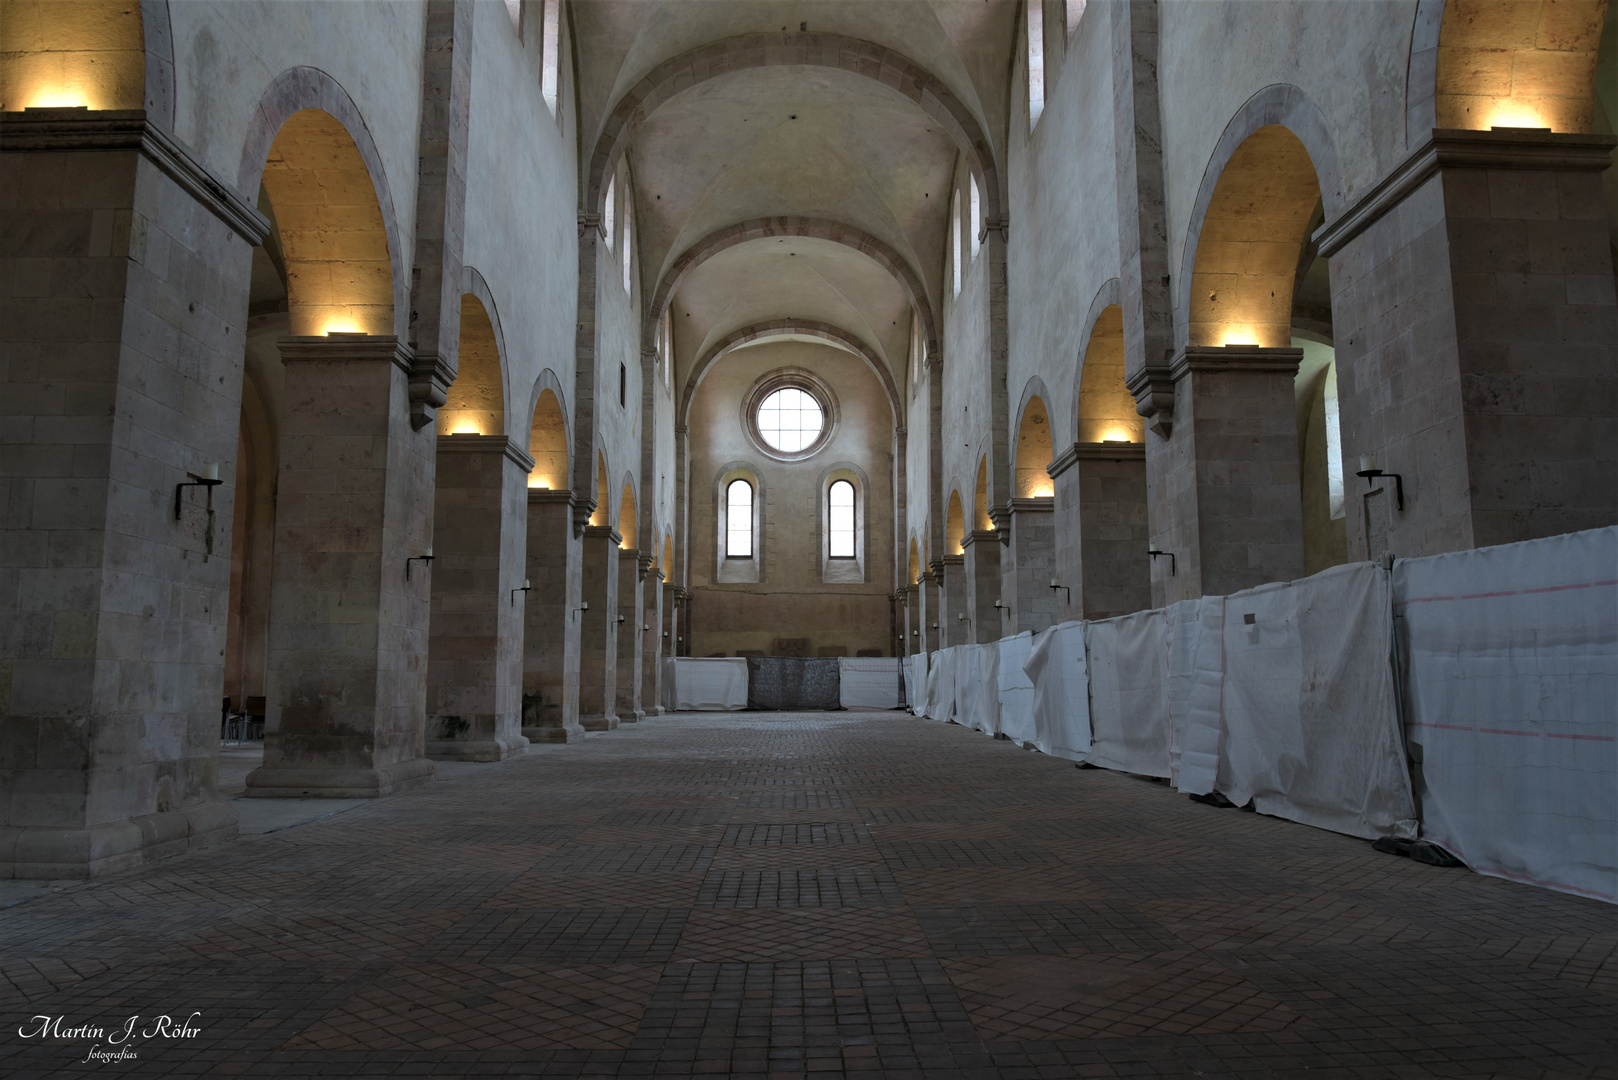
(840, 519)
(739, 520)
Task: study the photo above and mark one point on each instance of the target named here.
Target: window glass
(514, 9)
(790, 420)
(739, 520)
(955, 239)
(609, 222)
(977, 218)
(840, 519)
(1036, 61)
(629, 221)
(552, 32)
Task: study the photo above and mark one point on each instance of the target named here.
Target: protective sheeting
(1511, 704)
(869, 682)
(1015, 690)
(1129, 710)
(793, 683)
(1056, 669)
(692, 684)
(941, 685)
(977, 688)
(912, 685)
(1196, 670)
(1311, 722)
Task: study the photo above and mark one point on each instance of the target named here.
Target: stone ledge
(282, 782)
(113, 847)
(91, 130)
(487, 444)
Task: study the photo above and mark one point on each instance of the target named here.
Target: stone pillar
(550, 670)
(348, 614)
(951, 573)
(475, 646)
(932, 610)
(985, 622)
(913, 619)
(1029, 565)
(598, 630)
(672, 626)
(122, 329)
(1102, 531)
(1226, 501)
(651, 682)
(1477, 344)
(632, 567)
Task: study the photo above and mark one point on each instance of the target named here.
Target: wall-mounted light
(1369, 470)
(1154, 551)
(1056, 585)
(584, 605)
(525, 587)
(620, 618)
(205, 477)
(426, 557)
(645, 629)
(1004, 610)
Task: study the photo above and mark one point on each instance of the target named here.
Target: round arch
(784, 328)
(473, 284)
(549, 443)
(1278, 105)
(628, 519)
(303, 88)
(1035, 447)
(803, 49)
(812, 228)
(954, 525)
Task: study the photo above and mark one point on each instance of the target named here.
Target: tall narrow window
(623, 386)
(1075, 12)
(550, 48)
(1334, 444)
(514, 9)
(739, 520)
(609, 221)
(629, 232)
(977, 218)
(955, 239)
(840, 519)
(668, 350)
(915, 351)
(1036, 61)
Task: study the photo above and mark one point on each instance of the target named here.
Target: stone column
(122, 329)
(1030, 563)
(950, 572)
(1102, 531)
(1477, 344)
(348, 614)
(551, 620)
(632, 567)
(932, 609)
(651, 683)
(913, 619)
(598, 630)
(673, 596)
(475, 646)
(985, 622)
(1227, 502)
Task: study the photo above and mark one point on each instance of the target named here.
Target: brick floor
(861, 895)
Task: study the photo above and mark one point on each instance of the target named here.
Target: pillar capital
(1152, 387)
(502, 445)
(347, 347)
(1218, 359)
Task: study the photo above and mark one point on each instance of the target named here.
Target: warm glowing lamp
(1239, 335)
(1516, 114)
(341, 326)
(539, 483)
(467, 426)
(1116, 435)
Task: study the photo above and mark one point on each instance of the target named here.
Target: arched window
(629, 222)
(1036, 61)
(955, 239)
(977, 218)
(514, 9)
(739, 520)
(840, 519)
(610, 218)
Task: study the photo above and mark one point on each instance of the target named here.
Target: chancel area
(590, 536)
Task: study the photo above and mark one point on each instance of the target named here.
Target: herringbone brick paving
(860, 895)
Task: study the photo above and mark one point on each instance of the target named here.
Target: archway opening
(72, 53)
(626, 518)
(954, 525)
(602, 510)
(913, 574)
(339, 279)
(980, 506)
(547, 444)
(1105, 406)
(1526, 64)
(476, 401)
(1034, 452)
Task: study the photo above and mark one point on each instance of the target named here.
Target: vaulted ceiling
(830, 146)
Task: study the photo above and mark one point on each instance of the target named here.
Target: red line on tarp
(1507, 731)
(1511, 592)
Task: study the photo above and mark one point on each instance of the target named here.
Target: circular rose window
(790, 414)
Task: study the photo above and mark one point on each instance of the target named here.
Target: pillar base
(564, 733)
(496, 749)
(47, 853)
(284, 782)
(599, 723)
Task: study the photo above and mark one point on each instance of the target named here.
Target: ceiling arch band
(778, 328)
(802, 49)
(883, 254)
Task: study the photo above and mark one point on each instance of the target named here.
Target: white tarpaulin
(977, 704)
(1061, 702)
(705, 684)
(1016, 691)
(1196, 671)
(1511, 692)
(868, 682)
(1129, 711)
(941, 685)
(1311, 721)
